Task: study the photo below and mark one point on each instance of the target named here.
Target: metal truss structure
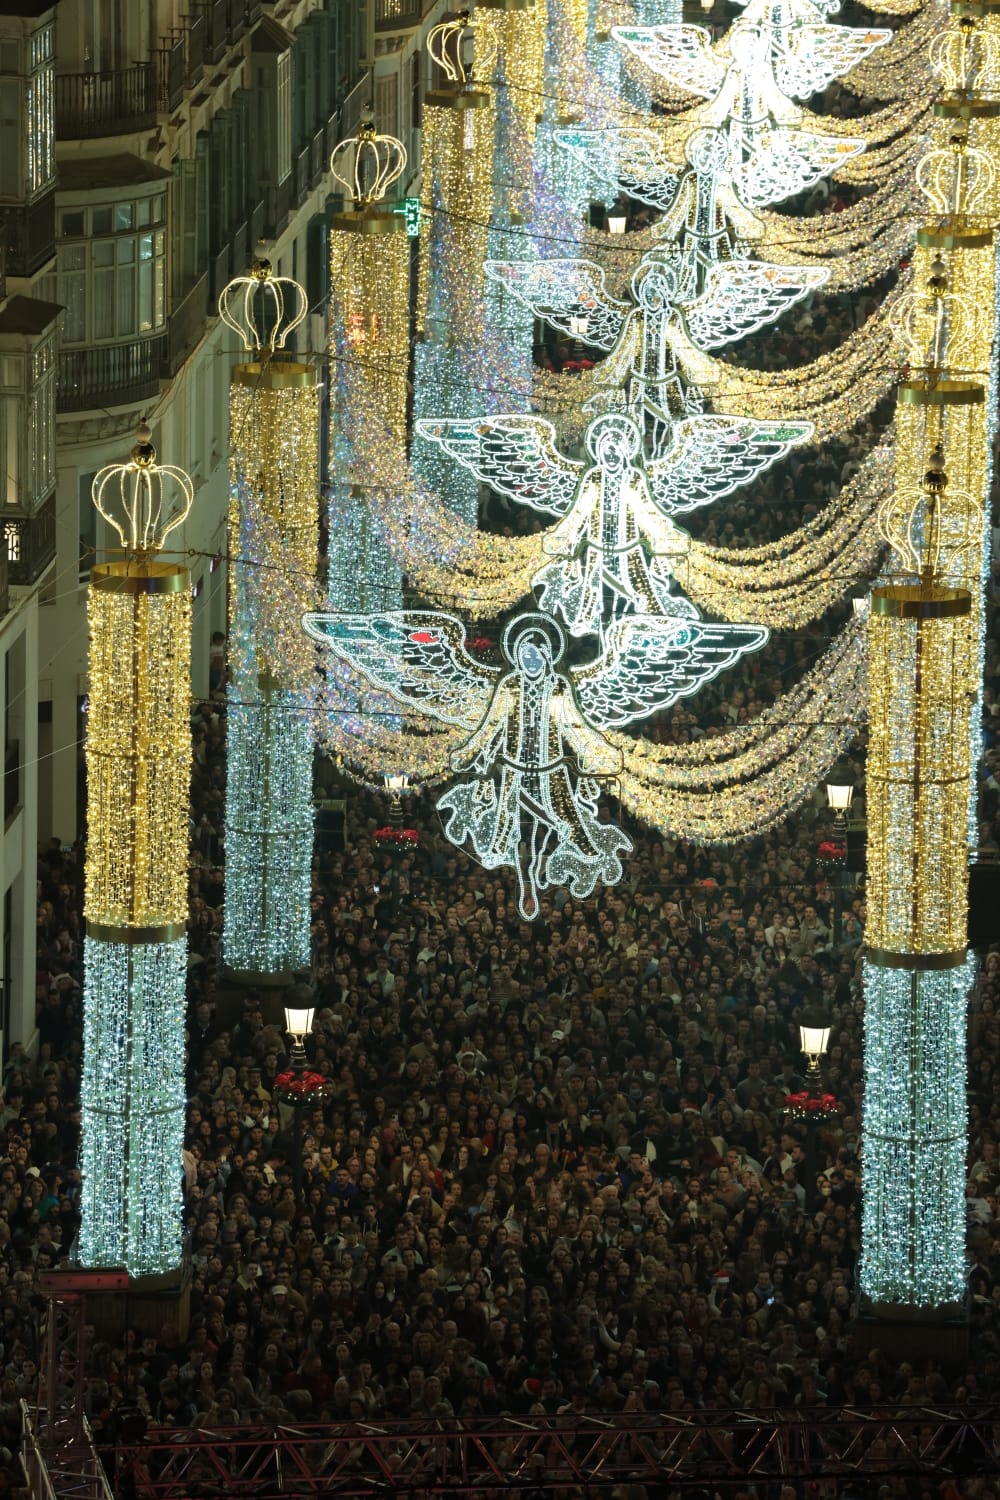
(557, 1454)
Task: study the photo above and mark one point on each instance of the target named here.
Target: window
(114, 285)
(10, 138)
(187, 260)
(283, 134)
(386, 112)
(88, 528)
(40, 113)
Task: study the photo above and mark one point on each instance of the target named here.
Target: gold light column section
(370, 288)
(918, 773)
(138, 751)
(274, 424)
(457, 205)
(521, 37)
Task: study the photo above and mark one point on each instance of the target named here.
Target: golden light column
(138, 756)
(925, 631)
(275, 484)
(370, 351)
(457, 208)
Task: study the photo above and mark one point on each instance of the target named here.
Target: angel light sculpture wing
(681, 53)
(648, 663)
(569, 294)
(515, 455)
(417, 656)
(629, 159)
(741, 296)
(531, 769)
(808, 57)
(714, 455)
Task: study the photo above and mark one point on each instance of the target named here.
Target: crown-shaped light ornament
(367, 164)
(967, 58)
(465, 49)
(142, 500)
(938, 327)
(929, 542)
(957, 179)
(262, 308)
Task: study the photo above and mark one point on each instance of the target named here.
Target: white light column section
(914, 1141)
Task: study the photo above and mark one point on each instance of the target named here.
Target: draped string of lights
(138, 756)
(274, 443)
(746, 780)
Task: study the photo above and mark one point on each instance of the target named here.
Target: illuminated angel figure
(534, 760)
(748, 92)
(704, 224)
(615, 548)
(641, 377)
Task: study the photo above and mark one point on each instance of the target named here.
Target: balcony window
(113, 286)
(40, 114)
(27, 117)
(10, 137)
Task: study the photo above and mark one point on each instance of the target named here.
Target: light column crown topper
(367, 164)
(263, 309)
(142, 500)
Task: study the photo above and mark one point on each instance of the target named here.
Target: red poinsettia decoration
(830, 850)
(811, 1104)
(299, 1084)
(479, 643)
(403, 838)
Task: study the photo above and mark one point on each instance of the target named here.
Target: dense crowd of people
(553, 1169)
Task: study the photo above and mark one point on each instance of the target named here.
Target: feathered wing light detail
(683, 54)
(571, 295)
(789, 161)
(713, 455)
(630, 158)
(742, 296)
(811, 56)
(648, 663)
(416, 655)
(516, 455)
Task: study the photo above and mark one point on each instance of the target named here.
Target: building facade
(145, 150)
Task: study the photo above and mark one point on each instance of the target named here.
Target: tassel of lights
(370, 293)
(274, 442)
(135, 950)
(925, 672)
(458, 151)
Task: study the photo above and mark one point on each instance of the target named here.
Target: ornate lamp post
(812, 1105)
(299, 1086)
(839, 795)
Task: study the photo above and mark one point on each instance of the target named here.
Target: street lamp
(839, 795)
(814, 1040)
(298, 1024)
(396, 783)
